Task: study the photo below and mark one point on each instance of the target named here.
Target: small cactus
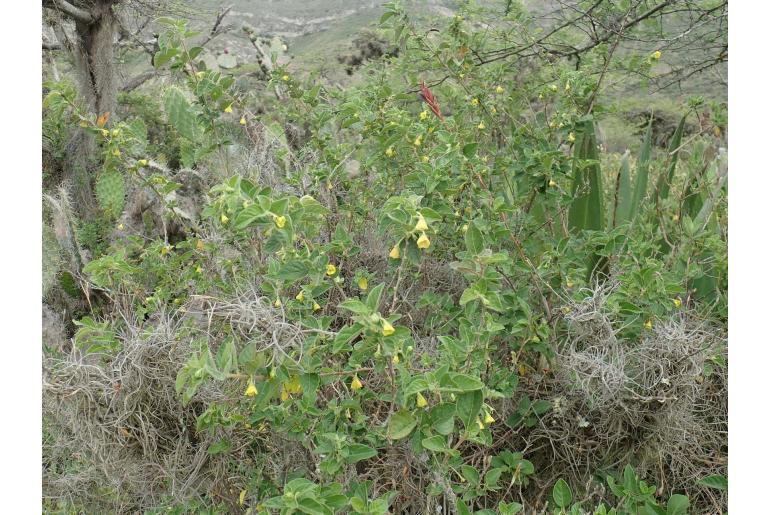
(111, 192)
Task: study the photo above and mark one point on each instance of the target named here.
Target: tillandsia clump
(433, 290)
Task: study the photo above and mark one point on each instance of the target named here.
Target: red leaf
(430, 100)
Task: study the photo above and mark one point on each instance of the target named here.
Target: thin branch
(216, 29)
(134, 82)
(74, 12)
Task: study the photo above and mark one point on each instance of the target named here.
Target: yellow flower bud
(243, 120)
(280, 221)
(121, 227)
(242, 497)
(481, 126)
(421, 401)
(423, 115)
(570, 284)
(356, 384)
(105, 132)
(229, 108)
(389, 152)
(116, 152)
(316, 306)
(142, 162)
(554, 87)
(425, 159)
(475, 102)
(395, 252)
(224, 219)
(277, 303)
(656, 55)
(331, 269)
(396, 360)
(423, 242)
(488, 419)
(285, 78)
(115, 132)
(251, 390)
(300, 296)
(571, 137)
(648, 324)
(387, 328)
(479, 423)
(198, 269)
(499, 90)
(417, 141)
(552, 183)
(677, 302)
(363, 283)
(422, 225)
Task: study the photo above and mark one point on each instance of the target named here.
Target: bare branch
(64, 7)
(134, 82)
(217, 29)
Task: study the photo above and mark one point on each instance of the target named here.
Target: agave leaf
(623, 194)
(587, 209)
(664, 183)
(642, 173)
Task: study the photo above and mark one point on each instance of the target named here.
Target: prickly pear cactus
(111, 192)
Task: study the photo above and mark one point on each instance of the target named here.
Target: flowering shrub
(397, 329)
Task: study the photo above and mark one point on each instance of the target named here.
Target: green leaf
(469, 150)
(373, 299)
(292, 271)
(460, 383)
(509, 508)
(401, 424)
(469, 406)
(562, 494)
(677, 505)
(474, 240)
(716, 481)
(356, 306)
(462, 508)
(248, 216)
(435, 443)
(313, 507)
(219, 447)
(358, 452)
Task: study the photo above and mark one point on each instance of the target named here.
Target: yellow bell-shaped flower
(422, 225)
(356, 384)
(423, 242)
(395, 252)
(421, 401)
(280, 221)
(363, 283)
(300, 296)
(387, 328)
(251, 390)
(331, 269)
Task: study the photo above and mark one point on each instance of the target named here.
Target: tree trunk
(93, 56)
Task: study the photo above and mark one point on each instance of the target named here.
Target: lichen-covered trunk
(94, 63)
